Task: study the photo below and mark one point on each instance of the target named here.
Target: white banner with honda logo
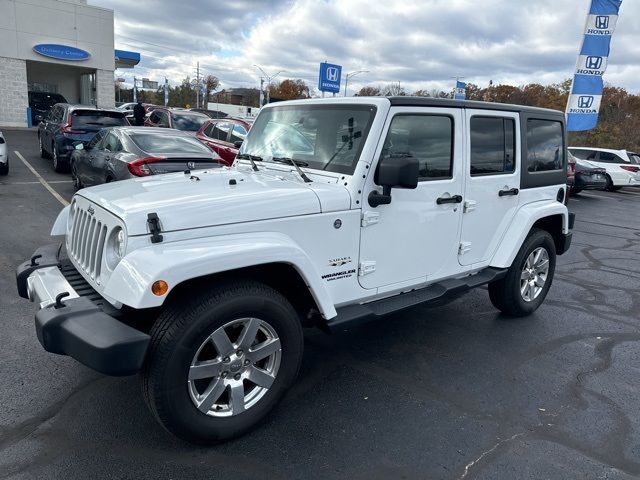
(586, 92)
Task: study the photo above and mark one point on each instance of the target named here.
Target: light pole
(349, 75)
(268, 78)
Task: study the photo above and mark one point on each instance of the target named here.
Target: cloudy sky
(420, 43)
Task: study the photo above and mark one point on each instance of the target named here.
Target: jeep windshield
(321, 137)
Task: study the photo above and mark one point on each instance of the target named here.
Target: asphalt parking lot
(451, 392)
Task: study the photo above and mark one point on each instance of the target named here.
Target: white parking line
(44, 183)
(36, 183)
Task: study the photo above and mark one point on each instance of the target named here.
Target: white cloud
(421, 43)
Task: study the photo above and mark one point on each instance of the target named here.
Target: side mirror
(394, 172)
(79, 146)
(237, 144)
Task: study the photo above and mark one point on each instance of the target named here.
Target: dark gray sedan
(127, 152)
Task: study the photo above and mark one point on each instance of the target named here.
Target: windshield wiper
(297, 164)
(251, 158)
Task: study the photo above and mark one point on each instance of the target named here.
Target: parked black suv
(41, 103)
(66, 125)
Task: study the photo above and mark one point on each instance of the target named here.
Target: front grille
(79, 284)
(88, 236)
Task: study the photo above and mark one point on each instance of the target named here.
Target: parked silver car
(4, 156)
(126, 152)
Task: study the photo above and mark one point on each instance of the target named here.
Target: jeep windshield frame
(326, 137)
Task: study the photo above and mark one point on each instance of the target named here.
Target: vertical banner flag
(586, 93)
(461, 91)
(166, 91)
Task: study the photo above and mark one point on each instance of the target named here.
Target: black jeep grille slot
(79, 284)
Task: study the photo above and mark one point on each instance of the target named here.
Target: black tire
(4, 168)
(575, 191)
(58, 165)
(43, 153)
(176, 337)
(77, 183)
(609, 187)
(615, 189)
(505, 293)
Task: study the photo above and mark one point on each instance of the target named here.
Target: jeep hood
(214, 197)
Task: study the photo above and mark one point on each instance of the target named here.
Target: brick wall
(105, 90)
(13, 92)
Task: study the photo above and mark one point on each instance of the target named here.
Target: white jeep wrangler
(335, 211)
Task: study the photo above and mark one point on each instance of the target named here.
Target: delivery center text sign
(330, 77)
(586, 93)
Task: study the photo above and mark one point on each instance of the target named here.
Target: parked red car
(224, 136)
(183, 120)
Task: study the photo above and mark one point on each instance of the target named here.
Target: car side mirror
(237, 144)
(394, 172)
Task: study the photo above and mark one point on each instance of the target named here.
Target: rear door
(492, 178)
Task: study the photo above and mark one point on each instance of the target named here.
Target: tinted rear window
(545, 145)
(163, 143)
(188, 123)
(95, 120)
(49, 99)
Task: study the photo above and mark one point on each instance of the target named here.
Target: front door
(415, 238)
(492, 181)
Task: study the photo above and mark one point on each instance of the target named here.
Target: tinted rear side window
(95, 120)
(584, 154)
(493, 145)
(545, 145)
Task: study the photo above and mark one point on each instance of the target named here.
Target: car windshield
(163, 143)
(322, 137)
(188, 123)
(95, 120)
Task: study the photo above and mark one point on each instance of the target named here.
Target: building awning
(126, 59)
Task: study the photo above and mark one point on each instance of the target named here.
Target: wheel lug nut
(237, 376)
(239, 353)
(247, 362)
(224, 375)
(225, 359)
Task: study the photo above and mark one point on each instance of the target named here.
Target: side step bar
(353, 314)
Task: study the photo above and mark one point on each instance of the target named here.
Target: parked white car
(335, 211)
(622, 166)
(4, 155)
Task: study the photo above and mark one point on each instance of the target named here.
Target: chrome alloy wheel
(234, 367)
(534, 274)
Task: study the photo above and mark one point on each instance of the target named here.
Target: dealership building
(56, 46)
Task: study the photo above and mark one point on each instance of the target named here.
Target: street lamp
(269, 78)
(349, 75)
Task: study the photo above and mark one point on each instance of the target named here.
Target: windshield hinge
(367, 267)
(369, 218)
(154, 227)
(470, 205)
(464, 247)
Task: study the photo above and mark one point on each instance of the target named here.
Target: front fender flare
(177, 262)
(521, 226)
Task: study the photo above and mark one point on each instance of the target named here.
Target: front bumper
(69, 323)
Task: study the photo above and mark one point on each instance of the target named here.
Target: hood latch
(154, 227)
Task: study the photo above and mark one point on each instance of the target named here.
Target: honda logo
(585, 101)
(593, 63)
(191, 165)
(602, 22)
(332, 74)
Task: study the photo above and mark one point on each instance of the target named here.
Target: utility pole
(268, 78)
(261, 91)
(135, 90)
(198, 85)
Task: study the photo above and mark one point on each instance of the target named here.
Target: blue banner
(461, 91)
(586, 93)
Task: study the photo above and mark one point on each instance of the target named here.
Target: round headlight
(120, 243)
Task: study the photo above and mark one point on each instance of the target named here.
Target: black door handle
(512, 191)
(452, 199)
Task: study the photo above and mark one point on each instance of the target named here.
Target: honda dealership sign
(586, 93)
(329, 80)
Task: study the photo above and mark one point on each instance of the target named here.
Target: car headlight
(119, 243)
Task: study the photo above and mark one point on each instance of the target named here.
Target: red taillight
(139, 167)
(630, 168)
(68, 127)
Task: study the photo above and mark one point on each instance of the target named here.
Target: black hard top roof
(448, 103)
